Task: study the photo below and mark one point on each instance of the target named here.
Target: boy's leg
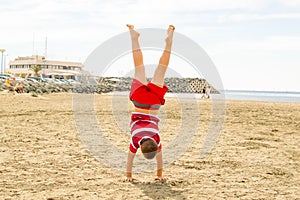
(159, 74)
(139, 72)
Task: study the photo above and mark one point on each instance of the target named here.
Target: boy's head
(149, 148)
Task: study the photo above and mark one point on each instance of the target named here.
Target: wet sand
(41, 156)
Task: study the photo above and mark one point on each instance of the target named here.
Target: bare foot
(134, 34)
(172, 27)
(170, 32)
(130, 26)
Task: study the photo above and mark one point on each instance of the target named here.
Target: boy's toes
(170, 31)
(171, 27)
(130, 26)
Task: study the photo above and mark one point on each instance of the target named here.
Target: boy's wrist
(128, 174)
(159, 173)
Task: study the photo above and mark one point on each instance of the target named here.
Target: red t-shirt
(143, 126)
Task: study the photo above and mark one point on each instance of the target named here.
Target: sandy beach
(41, 156)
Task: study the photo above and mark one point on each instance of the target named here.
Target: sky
(254, 44)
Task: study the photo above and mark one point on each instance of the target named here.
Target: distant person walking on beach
(208, 90)
(203, 92)
(147, 99)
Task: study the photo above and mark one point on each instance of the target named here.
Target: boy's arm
(159, 162)
(129, 166)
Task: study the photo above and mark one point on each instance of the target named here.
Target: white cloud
(264, 64)
(279, 43)
(255, 17)
(290, 3)
(204, 5)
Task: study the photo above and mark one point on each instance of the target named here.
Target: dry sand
(41, 156)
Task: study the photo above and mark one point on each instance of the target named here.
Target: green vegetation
(36, 69)
(34, 95)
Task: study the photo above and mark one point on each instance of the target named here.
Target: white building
(23, 65)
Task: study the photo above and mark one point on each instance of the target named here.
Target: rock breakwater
(110, 84)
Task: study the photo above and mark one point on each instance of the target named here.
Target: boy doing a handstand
(147, 99)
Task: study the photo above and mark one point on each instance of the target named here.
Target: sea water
(269, 96)
(272, 96)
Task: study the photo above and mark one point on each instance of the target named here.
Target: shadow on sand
(159, 190)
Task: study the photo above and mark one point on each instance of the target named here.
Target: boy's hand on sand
(160, 178)
(130, 179)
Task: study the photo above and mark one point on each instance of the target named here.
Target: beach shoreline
(42, 157)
